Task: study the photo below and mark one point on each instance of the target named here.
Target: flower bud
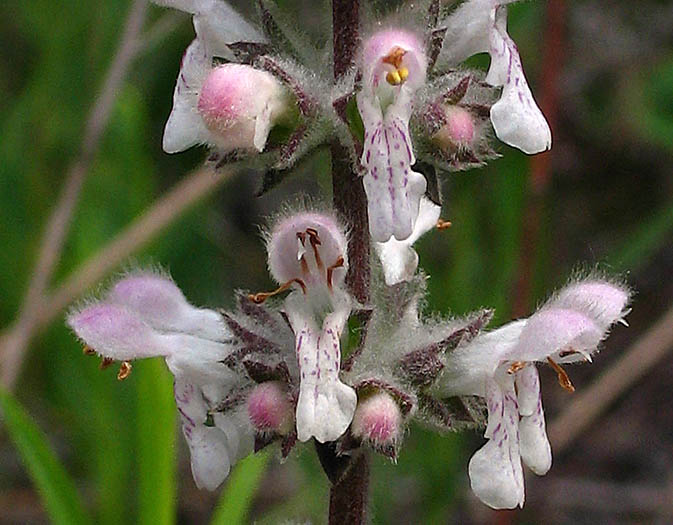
(270, 409)
(309, 248)
(239, 105)
(459, 131)
(377, 420)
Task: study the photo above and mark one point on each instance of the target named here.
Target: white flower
(398, 258)
(393, 66)
(500, 366)
(479, 26)
(308, 250)
(146, 315)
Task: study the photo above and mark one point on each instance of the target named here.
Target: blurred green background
(93, 449)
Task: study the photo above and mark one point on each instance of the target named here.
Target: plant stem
(349, 475)
(350, 200)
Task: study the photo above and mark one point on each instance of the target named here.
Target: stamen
(304, 265)
(301, 242)
(315, 242)
(399, 74)
(338, 264)
(106, 362)
(393, 78)
(516, 366)
(563, 378)
(124, 370)
(259, 298)
(443, 225)
(88, 350)
(394, 58)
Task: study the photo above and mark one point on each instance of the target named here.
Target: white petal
(604, 302)
(115, 332)
(552, 330)
(398, 258)
(210, 457)
(533, 443)
(528, 389)
(208, 447)
(495, 470)
(217, 23)
(185, 127)
(160, 303)
(262, 128)
(325, 406)
(393, 189)
(469, 367)
(516, 119)
(199, 359)
(240, 436)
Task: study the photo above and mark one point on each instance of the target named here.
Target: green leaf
(56, 487)
(236, 497)
(157, 489)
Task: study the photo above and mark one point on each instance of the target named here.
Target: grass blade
(60, 497)
(156, 415)
(237, 495)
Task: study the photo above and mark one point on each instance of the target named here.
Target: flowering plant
(399, 111)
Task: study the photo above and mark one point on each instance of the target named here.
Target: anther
(443, 225)
(315, 242)
(393, 78)
(563, 378)
(403, 72)
(124, 370)
(259, 298)
(338, 264)
(516, 366)
(88, 350)
(106, 362)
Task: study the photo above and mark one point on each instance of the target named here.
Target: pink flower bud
(239, 105)
(377, 420)
(269, 408)
(308, 247)
(459, 130)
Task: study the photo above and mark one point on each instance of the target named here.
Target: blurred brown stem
(15, 344)
(591, 402)
(164, 211)
(540, 165)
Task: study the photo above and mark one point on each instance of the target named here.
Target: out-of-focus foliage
(610, 201)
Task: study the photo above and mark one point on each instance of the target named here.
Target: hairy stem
(348, 497)
(349, 475)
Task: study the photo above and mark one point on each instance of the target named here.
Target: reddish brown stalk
(540, 165)
(349, 492)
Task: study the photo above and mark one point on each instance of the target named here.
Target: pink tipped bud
(459, 130)
(377, 420)
(310, 248)
(239, 105)
(269, 408)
